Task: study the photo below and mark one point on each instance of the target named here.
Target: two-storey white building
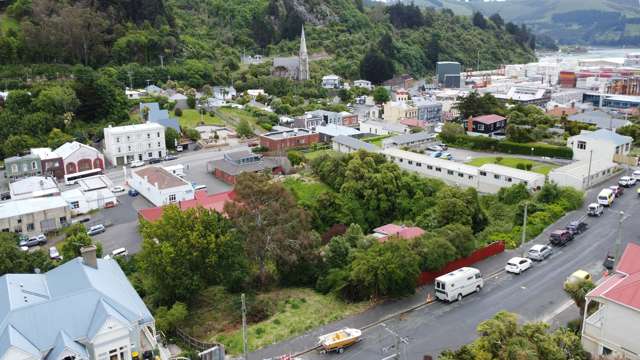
(160, 186)
(600, 145)
(124, 144)
(614, 328)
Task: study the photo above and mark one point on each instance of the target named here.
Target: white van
(458, 283)
(606, 197)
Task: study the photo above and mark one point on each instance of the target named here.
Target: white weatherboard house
(124, 144)
(85, 309)
(160, 186)
(599, 145)
(488, 178)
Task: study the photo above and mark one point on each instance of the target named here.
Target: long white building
(124, 144)
(488, 178)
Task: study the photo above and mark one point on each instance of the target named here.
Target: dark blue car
(133, 192)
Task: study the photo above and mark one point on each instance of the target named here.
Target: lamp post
(524, 228)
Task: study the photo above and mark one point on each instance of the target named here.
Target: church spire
(303, 58)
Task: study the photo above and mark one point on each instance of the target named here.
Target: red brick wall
(476, 256)
(290, 142)
(350, 120)
(219, 174)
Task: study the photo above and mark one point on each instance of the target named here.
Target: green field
(191, 118)
(376, 140)
(306, 192)
(317, 153)
(215, 316)
(536, 166)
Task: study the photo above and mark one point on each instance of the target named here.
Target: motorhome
(458, 283)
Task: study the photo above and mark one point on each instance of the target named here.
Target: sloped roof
(160, 176)
(153, 106)
(69, 148)
(623, 287)
(65, 343)
(12, 337)
(488, 119)
(604, 135)
(212, 202)
(411, 137)
(66, 299)
(355, 143)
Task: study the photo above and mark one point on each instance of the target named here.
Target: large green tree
(14, 260)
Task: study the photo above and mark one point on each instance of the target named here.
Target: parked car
(441, 155)
(577, 227)
(170, 157)
(96, 229)
(443, 146)
(137, 163)
(627, 181)
(119, 252)
(252, 144)
(517, 265)
(578, 275)
(5, 196)
(154, 160)
(34, 241)
(617, 190)
(133, 192)
(435, 148)
(636, 175)
(608, 262)
(199, 187)
(117, 189)
(54, 254)
(539, 252)
(560, 237)
(595, 209)
(179, 148)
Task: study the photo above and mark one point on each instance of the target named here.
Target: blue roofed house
(158, 116)
(85, 309)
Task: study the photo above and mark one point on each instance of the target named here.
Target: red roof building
(614, 328)
(202, 199)
(384, 232)
(487, 124)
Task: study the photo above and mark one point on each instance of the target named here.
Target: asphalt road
(535, 295)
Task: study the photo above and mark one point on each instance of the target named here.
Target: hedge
(509, 147)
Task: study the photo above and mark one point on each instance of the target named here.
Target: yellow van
(606, 197)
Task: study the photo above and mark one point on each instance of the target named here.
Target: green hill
(597, 22)
(205, 38)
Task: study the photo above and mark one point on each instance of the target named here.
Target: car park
(595, 209)
(560, 237)
(154, 160)
(96, 229)
(617, 190)
(539, 252)
(627, 181)
(517, 265)
(34, 241)
(117, 189)
(577, 227)
(578, 275)
(133, 192)
(54, 254)
(137, 163)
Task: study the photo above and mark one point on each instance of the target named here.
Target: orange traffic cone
(429, 298)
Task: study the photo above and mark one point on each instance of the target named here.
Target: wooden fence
(476, 256)
(193, 342)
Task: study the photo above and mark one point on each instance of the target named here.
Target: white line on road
(557, 311)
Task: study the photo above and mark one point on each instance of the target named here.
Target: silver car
(539, 252)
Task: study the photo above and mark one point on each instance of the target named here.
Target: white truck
(458, 283)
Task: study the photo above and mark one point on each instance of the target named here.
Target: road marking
(557, 311)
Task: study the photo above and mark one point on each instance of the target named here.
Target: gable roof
(604, 135)
(153, 106)
(212, 202)
(65, 343)
(69, 148)
(488, 119)
(158, 175)
(623, 287)
(66, 299)
(11, 337)
(355, 143)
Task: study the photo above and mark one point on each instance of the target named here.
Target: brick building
(278, 141)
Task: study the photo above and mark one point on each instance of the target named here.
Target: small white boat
(338, 340)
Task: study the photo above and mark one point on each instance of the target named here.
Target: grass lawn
(314, 154)
(238, 114)
(377, 140)
(191, 118)
(306, 192)
(538, 167)
(215, 316)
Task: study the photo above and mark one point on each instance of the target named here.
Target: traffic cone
(429, 298)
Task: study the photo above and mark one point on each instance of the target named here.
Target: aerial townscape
(319, 179)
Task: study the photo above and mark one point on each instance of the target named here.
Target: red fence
(478, 255)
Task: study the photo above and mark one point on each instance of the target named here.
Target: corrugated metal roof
(355, 143)
(511, 172)
(13, 208)
(604, 135)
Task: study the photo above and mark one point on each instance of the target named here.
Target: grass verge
(215, 316)
(377, 140)
(536, 166)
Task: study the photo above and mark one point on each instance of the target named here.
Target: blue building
(428, 110)
(611, 100)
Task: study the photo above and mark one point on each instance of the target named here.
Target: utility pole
(524, 227)
(130, 79)
(398, 342)
(589, 169)
(244, 327)
(478, 63)
(162, 61)
(618, 240)
(148, 81)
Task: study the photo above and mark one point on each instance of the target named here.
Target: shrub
(499, 159)
(528, 166)
(520, 166)
(178, 112)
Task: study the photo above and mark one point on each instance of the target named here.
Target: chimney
(89, 256)
(470, 124)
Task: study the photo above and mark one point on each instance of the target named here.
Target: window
(172, 198)
(148, 136)
(449, 172)
(117, 139)
(460, 174)
(128, 138)
(480, 127)
(129, 148)
(14, 168)
(470, 177)
(429, 167)
(606, 350)
(582, 145)
(33, 165)
(438, 169)
(119, 150)
(400, 160)
(483, 173)
(75, 204)
(496, 176)
(25, 167)
(150, 155)
(158, 133)
(63, 220)
(410, 162)
(158, 143)
(149, 145)
(30, 227)
(509, 179)
(19, 221)
(419, 164)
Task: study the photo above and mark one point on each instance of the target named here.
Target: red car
(617, 190)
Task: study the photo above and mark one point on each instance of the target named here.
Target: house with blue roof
(158, 116)
(85, 309)
(600, 145)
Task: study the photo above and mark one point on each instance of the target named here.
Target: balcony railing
(593, 324)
